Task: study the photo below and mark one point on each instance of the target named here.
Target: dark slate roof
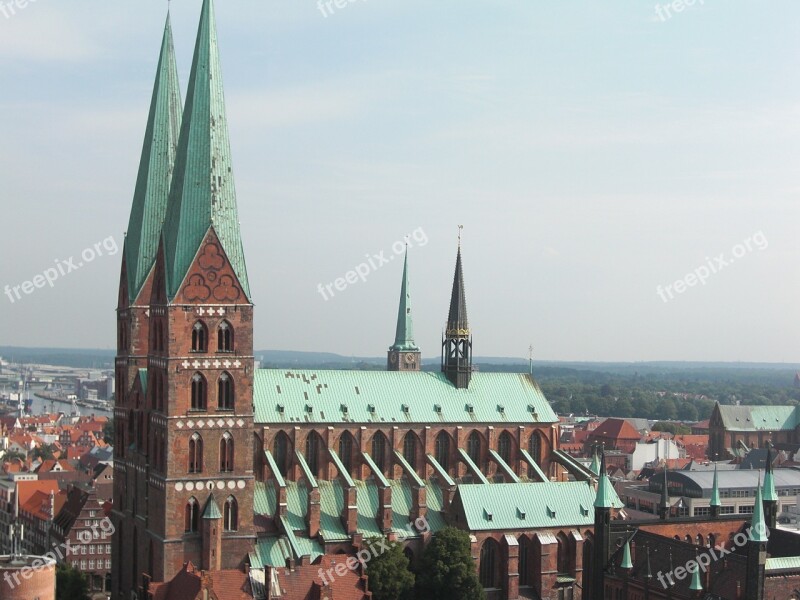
(457, 322)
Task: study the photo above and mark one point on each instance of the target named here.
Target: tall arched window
(346, 451)
(566, 553)
(230, 514)
(442, 450)
(225, 337)
(280, 450)
(488, 572)
(195, 453)
(504, 443)
(312, 452)
(199, 392)
(474, 447)
(199, 337)
(225, 392)
(410, 449)
(379, 450)
(192, 516)
(534, 447)
(524, 561)
(226, 453)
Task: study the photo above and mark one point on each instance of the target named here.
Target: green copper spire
(715, 490)
(155, 169)
(605, 491)
(595, 466)
(758, 527)
(203, 193)
(626, 556)
(770, 495)
(696, 585)
(404, 337)
(212, 510)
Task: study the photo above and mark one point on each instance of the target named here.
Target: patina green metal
(155, 170)
(203, 195)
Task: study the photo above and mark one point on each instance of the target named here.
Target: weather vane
(460, 227)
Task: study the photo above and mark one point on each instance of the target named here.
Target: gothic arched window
(192, 516)
(225, 337)
(346, 451)
(230, 514)
(226, 453)
(199, 392)
(195, 453)
(225, 392)
(199, 337)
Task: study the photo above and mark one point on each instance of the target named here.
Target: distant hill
(781, 374)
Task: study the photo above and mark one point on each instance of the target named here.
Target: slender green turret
(404, 335)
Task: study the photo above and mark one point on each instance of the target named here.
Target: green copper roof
(758, 527)
(203, 193)
(696, 585)
(212, 510)
(715, 501)
(526, 505)
(327, 396)
(155, 169)
(786, 562)
(404, 336)
(626, 556)
(755, 418)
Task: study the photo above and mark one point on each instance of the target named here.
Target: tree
(389, 574)
(70, 584)
(13, 455)
(447, 571)
(44, 452)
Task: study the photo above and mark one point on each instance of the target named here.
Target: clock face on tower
(409, 358)
(393, 357)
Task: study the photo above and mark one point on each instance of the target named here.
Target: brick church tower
(184, 412)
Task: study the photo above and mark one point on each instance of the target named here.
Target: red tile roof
(189, 582)
(617, 429)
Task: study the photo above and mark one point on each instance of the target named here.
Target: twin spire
(185, 184)
(404, 354)
(203, 193)
(155, 170)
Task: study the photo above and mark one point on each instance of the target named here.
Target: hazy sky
(592, 153)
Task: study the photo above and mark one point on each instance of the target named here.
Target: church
(226, 471)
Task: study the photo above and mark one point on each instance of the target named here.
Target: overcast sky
(592, 153)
